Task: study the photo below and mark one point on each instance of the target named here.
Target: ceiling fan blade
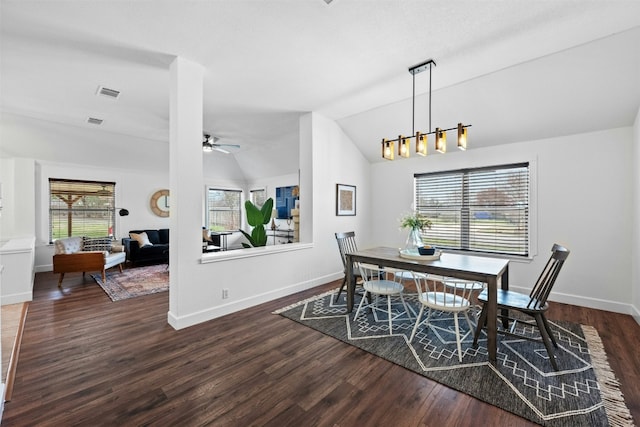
(222, 150)
(226, 145)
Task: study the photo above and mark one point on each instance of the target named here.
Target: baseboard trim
(17, 298)
(232, 307)
(43, 268)
(635, 313)
(2, 389)
(599, 304)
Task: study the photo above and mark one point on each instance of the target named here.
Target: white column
(185, 176)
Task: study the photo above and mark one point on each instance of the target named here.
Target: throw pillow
(142, 239)
(96, 243)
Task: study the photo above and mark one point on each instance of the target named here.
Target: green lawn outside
(484, 231)
(98, 227)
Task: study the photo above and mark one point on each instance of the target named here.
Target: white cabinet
(17, 257)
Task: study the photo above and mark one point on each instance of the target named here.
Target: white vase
(414, 240)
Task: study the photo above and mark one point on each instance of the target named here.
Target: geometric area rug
(134, 282)
(583, 392)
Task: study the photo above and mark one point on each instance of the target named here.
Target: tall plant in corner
(257, 218)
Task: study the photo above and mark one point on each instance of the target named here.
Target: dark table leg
(492, 309)
(492, 342)
(505, 287)
(351, 288)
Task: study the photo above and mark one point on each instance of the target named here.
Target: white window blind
(478, 210)
(81, 208)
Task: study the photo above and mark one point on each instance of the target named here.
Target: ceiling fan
(210, 143)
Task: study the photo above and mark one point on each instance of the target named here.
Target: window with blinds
(258, 197)
(223, 209)
(81, 208)
(479, 210)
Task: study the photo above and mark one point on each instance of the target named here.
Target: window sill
(252, 252)
(513, 258)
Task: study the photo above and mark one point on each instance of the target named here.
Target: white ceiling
(516, 70)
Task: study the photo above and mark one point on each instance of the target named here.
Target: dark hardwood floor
(88, 361)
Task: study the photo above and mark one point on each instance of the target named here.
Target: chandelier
(440, 135)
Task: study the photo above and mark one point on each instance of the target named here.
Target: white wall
(635, 248)
(17, 218)
(254, 276)
(583, 186)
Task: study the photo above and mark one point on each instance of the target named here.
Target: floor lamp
(121, 212)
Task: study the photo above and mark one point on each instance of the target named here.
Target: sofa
(82, 254)
(147, 246)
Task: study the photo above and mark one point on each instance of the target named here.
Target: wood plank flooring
(88, 361)
(13, 317)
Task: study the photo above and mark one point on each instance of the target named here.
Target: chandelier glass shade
(421, 144)
(388, 149)
(421, 139)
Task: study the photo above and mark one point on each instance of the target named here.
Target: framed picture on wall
(345, 200)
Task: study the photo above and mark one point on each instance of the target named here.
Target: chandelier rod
(413, 108)
(427, 133)
(414, 78)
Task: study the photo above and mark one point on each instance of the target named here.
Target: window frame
(208, 211)
(84, 189)
(464, 221)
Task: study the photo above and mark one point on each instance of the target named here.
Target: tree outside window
(223, 209)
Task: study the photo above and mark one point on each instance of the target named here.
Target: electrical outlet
(225, 293)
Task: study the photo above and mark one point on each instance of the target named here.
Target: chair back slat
(441, 292)
(346, 244)
(547, 278)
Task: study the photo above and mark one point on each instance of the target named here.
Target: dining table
(486, 269)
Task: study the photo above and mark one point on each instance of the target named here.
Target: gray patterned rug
(584, 392)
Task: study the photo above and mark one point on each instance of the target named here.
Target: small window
(479, 210)
(223, 209)
(81, 208)
(258, 197)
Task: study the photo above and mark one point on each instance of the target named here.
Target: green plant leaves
(257, 218)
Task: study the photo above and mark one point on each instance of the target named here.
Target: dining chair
(346, 244)
(534, 305)
(445, 294)
(474, 287)
(376, 282)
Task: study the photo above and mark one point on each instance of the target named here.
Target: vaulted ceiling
(516, 70)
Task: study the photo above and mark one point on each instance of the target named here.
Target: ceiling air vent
(94, 121)
(111, 93)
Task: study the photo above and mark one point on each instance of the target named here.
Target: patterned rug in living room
(584, 392)
(134, 282)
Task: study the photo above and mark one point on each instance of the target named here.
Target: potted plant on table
(416, 223)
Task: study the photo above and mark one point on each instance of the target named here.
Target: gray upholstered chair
(82, 254)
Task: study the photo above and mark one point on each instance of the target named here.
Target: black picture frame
(345, 200)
